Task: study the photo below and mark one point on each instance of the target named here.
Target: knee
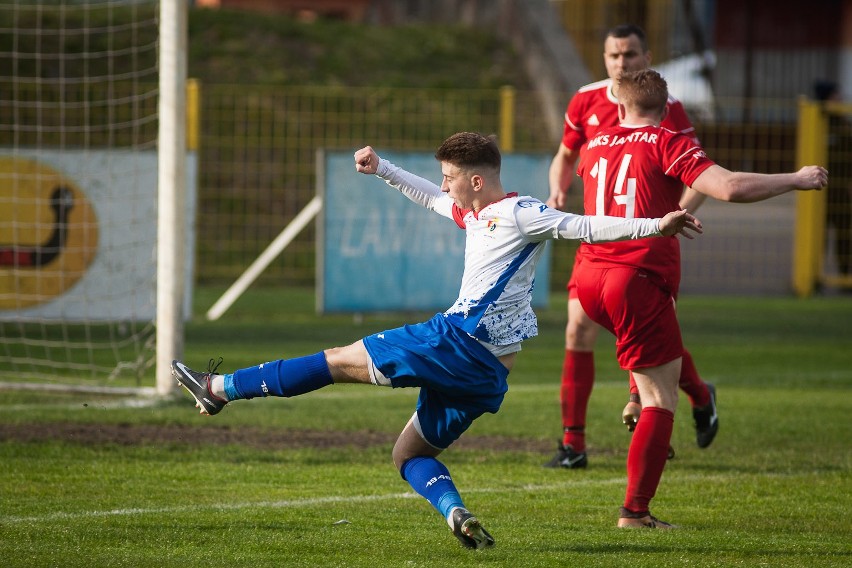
(348, 364)
(335, 356)
(398, 460)
(581, 332)
(401, 455)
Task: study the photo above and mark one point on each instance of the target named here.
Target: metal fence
(258, 170)
(258, 157)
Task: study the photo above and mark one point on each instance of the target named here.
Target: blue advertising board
(379, 251)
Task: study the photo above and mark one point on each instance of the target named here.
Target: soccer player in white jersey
(459, 359)
(638, 169)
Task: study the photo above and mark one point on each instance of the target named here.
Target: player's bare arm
(559, 176)
(748, 187)
(691, 200)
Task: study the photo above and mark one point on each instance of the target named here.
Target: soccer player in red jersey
(638, 169)
(592, 108)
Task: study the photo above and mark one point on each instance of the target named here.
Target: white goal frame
(171, 194)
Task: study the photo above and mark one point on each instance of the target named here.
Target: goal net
(78, 191)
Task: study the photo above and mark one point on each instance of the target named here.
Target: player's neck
(634, 119)
(492, 196)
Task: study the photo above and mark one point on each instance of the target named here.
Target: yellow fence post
(507, 118)
(811, 148)
(192, 114)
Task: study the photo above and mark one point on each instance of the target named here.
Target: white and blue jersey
(504, 243)
(453, 356)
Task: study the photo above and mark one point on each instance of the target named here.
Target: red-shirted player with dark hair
(638, 169)
(592, 108)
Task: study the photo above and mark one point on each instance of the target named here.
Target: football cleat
(630, 415)
(567, 458)
(469, 531)
(706, 420)
(631, 520)
(198, 385)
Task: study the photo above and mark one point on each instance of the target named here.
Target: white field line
(289, 503)
(60, 516)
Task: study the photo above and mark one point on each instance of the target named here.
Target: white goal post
(171, 195)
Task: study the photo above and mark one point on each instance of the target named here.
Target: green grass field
(90, 480)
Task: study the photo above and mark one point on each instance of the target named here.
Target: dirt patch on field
(127, 434)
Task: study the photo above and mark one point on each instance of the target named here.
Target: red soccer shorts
(572, 282)
(632, 305)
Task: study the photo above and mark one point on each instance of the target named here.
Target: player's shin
(647, 456)
(284, 377)
(431, 479)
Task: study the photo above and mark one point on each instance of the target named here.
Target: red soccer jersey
(594, 107)
(639, 171)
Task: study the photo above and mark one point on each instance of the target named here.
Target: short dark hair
(468, 150)
(645, 89)
(622, 31)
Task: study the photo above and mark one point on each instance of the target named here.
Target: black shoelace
(211, 368)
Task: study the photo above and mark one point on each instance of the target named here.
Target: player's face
(458, 185)
(624, 54)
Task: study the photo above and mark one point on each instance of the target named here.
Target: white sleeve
(540, 222)
(602, 229)
(417, 189)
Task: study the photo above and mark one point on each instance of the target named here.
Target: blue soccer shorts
(459, 378)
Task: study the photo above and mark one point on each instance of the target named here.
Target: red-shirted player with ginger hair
(638, 169)
(592, 108)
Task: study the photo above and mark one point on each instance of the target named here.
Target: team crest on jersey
(492, 224)
(593, 120)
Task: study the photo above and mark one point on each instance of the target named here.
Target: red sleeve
(684, 159)
(573, 136)
(677, 120)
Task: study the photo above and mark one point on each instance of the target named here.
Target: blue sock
(431, 479)
(289, 377)
(230, 390)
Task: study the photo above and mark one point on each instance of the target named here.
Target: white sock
(217, 386)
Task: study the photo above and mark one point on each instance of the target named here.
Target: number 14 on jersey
(624, 192)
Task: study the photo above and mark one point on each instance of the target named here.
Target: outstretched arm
(748, 187)
(540, 222)
(415, 188)
(604, 229)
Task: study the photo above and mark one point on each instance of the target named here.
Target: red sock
(647, 457)
(578, 377)
(691, 383)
